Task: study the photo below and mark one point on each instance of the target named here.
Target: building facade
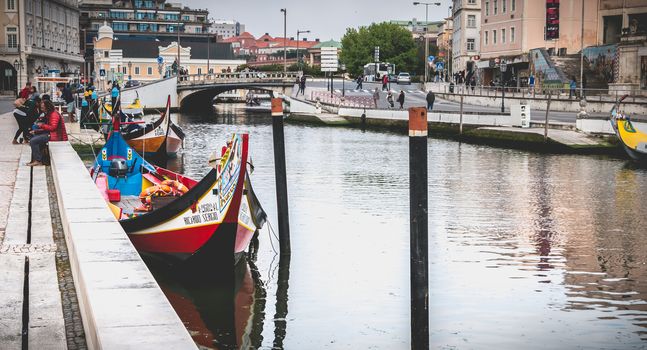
(466, 15)
(445, 41)
(39, 37)
(140, 19)
(511, 28)
(138, 59)
(225, 29)
(267, 50)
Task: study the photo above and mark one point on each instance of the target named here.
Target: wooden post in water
(418, 228)
(281, 176)
(546, 120)
(460, 126)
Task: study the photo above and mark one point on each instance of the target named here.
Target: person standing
(531, 84)
(52, 130)
(389, 99)
(431, 98)
(114, 94)
(376, 96)
(66, 95)
(360, 81)
(573, 86)
(385, 82)
(401, 99)
(302, 85)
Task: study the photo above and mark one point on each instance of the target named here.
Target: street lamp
(299, 32)
(427, 4)
(18, 65)
(503, 67)
(130, 70)
(285, 40)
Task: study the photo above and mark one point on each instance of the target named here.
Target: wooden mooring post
(281, 175)
(418, 216)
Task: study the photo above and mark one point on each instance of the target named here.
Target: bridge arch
(199, 99)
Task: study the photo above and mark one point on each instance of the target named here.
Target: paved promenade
(37, 297)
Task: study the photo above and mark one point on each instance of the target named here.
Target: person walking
(531, 84)
(52, 130)
(385, 82)
(302, 85)
(473, 83)
(20, 114)
(376, 96)
(360, 81)
(389, 99)
(573, 86)
(431, 98)
(114, 94)
(401, 99)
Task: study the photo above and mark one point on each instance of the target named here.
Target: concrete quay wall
(122, 305)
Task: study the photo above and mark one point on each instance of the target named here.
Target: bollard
(460, 125)
(546, 121)
(281, 176)
(418, 228)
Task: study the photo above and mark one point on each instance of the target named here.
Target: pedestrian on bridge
(401, 99)
(302, 86)
(431, 98)
(573, 86)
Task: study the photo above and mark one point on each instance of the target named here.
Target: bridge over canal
(195, 92)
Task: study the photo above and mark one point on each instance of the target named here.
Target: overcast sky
(326, 19)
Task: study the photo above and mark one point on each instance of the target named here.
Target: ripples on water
(526, 250)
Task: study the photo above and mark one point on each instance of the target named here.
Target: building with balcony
(466, 17)
(141, 19)
(39, 37)
(226, 29)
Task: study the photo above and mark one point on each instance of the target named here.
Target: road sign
(377, 54)
(102, 72)
(440, 66)
(160, 59)
(329, 59)
(431, 58)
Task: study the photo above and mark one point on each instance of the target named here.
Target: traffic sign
(160, 59)
(431, 58)
(440, 65)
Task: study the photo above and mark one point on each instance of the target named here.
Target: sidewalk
(37, 298)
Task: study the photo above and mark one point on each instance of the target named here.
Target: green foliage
(396, 46)
(307, 69)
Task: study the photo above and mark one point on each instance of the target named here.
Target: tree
(396, 46)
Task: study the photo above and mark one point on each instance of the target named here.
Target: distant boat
(174, 217)
(633, 140)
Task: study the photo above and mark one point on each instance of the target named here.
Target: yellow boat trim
(629, 135)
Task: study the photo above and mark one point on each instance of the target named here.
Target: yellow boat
(633, 140)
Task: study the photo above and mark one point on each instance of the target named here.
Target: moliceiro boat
(633, 140)
(174, 217)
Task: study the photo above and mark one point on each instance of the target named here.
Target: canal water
(526, 250)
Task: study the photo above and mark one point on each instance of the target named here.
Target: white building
(465, 36)
(226, 28)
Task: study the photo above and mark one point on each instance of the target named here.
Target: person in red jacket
(53, 130)
(26, 91)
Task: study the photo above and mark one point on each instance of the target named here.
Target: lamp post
(582, 55)
(503, 67)
(18, 65)
(130, 70)
(427, 4)
(299, 32)
(285, 40)
(449, 46)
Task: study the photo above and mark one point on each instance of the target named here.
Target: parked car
(131, 83)
(404, 78)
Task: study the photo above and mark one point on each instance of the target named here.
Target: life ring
(164, 189)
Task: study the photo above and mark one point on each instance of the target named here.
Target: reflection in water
(526, 250)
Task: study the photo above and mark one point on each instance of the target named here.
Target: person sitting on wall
(51, 130)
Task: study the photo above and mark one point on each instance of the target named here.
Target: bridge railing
(197, 79)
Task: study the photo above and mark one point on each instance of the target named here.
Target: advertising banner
(552, 19)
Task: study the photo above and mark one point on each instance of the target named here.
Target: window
(513, 5)
(11, 5)
(487, 8)
(150, 70)
(185, 18)
(123, 70)
(471, 21)
(496, 6)
(494, 37)
(486, 37)
(12, 37)
(199, 70)
(198, 30)
(503, 3)
(511, 34)
(120, 26)
(471, 2)
(503, 35)
(171, 17)
(470, 44)
(136, 70)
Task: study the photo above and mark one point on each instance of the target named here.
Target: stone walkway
(569, 138)
(33, 302)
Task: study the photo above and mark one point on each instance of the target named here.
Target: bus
(382, 68)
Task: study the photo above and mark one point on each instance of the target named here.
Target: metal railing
(593, 95)
(238, 77)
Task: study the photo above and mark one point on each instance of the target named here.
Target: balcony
(8, 50)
